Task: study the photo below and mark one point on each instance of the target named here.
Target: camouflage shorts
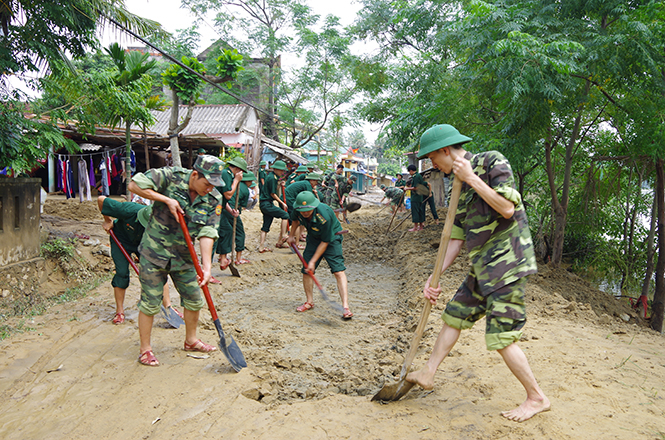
(153, 279)
(504, 309)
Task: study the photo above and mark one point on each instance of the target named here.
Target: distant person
(492, 222)
(231, 177)
(164, 250)
(395, 195)
(417, 207)
(429, 201)
(400, 182)
(269, 195)
(323, 241)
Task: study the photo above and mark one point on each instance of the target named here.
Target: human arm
(206, 244)
(291, 240)
(237, 177)
(108, 221)
(320, 250)
(463, 171)
(151, 194)
(454, 248)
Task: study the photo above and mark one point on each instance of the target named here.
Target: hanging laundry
(92, 181)
(103, 167)
(70, 179)
(132, 162)
(84, 183)
(58, 174)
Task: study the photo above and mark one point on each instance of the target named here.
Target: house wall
(19, 219)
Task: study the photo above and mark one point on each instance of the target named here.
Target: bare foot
(422, 377)
(527, 409)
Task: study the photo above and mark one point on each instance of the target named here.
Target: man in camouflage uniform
(164, 250)
(395, 195)
(323, 241)
(491, 219)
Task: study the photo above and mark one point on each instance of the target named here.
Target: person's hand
(107, 225)
(238, 176)
(311, 266)
(431, 293)
(235, 212)
(462, 169)
(291, 240)
(174, 207)
(206, 277)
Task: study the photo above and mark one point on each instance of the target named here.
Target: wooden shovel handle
(440, 256)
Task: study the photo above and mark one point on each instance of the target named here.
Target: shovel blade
(393, 392)
(233, 269)
(172, 317)
(353, 206)
(230, 349)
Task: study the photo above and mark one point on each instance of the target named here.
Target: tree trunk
(658, 304)
(128, 159)
(145, 148)
(173, 130)
(271, 132)
(650, 247)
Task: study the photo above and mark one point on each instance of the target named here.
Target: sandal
(214, 280)
(242, 261)
(119, 318)
(305, 307)
(347, 314)
(301, 247)
(265, 249)
(199, 346)
(148, 358)
(282, 244)
(224, 266)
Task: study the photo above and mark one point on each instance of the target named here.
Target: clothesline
(111, 151)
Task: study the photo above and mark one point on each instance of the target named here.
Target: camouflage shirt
(500, 249)
(163, 241)
(394, 194)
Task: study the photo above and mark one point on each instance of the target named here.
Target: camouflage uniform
(501, 254)
(322, 227)
(163, 248)
(395, 195)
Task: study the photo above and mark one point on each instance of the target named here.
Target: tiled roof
(208, 119)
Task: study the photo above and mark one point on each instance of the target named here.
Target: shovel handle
(304, 263)
(124, 252)
(440, 256)
(197, 266)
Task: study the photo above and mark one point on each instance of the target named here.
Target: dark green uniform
(401, 183)
(226, 224)
(501, 253)
(267, 203)
(163, 248)
(128, 231)
(262, 177)
(322, 227)
(293, 190)
(417, 206)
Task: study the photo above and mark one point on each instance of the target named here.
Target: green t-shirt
(400, 183)
(163, 240)
(294, 189)
(501, 250)
(126, 227)
(269, 187)
(322, 225)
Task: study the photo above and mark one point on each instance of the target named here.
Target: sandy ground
(311, 375)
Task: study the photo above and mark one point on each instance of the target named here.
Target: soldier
(395, 195)
(417, 207)
(322, 242)
(491, 219)
(297, 176)
(163, 248)
(400, 182)
(296, 188)
(269, 194)
(129, 226)
(225, 229)
(231, 177)
(262, 173)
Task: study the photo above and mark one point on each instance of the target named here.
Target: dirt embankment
(72, 374)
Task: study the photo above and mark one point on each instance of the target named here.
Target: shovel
(171, 316)
(397, 390)
(231, 351)
(233, 269)
(395, 213)
(325, 296)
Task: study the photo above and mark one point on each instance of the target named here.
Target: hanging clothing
(70, 179)
(84, 183)
(92, 181)
(58, 174)
(103, 167)
(132, 162)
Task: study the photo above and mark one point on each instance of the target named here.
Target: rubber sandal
(242, 261)
(148, 358)
(282, 245)
(265, 250)
(177, 312)
(301, 246)
(199, 346)
(214, 280)
(347, 314)
(224, 266)
(305, 307)
(119, 318)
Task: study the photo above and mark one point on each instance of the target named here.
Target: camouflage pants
(153, 279)
(503, 308)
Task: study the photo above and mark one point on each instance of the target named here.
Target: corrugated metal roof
(208, 119)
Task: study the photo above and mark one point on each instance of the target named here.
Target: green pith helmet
(201, 151)
(263, 163)
(313, 176)
(306, 201)
(144, 215)
(301, 169)
(248, 176)
(382, 186)
(310, 166)
(253, 185)
(211, 168)
(353, 177)
(239, 162)
(278, 165)
(440, 136)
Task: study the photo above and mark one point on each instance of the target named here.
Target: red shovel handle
(304, 263)
(197, 266)
(124, 252)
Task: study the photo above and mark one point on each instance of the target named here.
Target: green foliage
(184, 83)
(389, 169)
(229, 63)
(58, 248)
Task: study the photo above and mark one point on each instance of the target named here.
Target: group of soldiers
(490, 222)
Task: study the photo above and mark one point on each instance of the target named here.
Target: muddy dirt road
(71, 374)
